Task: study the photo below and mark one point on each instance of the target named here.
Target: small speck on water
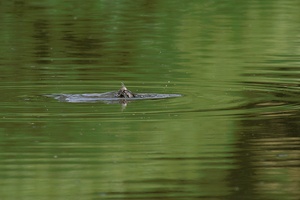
(283, 155)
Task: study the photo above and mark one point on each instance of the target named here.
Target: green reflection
(232, 133)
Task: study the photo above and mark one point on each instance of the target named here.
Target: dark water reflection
(234, 134)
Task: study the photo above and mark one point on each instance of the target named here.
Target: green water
(234, 134)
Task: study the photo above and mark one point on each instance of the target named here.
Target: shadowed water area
(233, 133)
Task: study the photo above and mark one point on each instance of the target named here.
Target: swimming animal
(124, 93)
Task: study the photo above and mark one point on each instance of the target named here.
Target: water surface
(234, 134)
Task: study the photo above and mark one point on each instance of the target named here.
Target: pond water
(233, 134)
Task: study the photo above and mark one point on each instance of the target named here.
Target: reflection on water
(234, 134)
